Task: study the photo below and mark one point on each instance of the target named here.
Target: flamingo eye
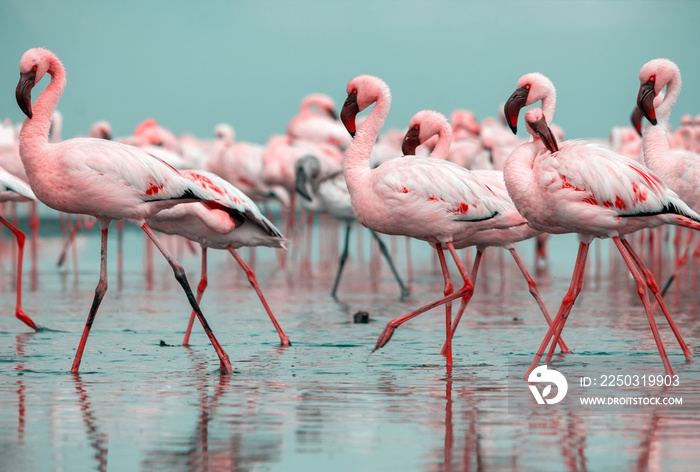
(527, 87)
(652, 78)
(354, 91)
(415, 127)
(34, 68)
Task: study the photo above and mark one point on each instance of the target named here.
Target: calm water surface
(144, 402)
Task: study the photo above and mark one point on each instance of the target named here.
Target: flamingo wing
(595, 175)
(437, 185)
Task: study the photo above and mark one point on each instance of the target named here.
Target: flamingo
(14, 189)
(105, 179)
(425, 198)
(679, 168)
(330, 194)
(231, 222)
(587, 189)
(428, 123)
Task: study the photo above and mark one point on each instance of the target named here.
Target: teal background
(192, 65)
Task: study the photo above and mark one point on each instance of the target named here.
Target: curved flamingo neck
(549, 104)
(356, 167)
(442, 148)
(655, 146)
(663, 110)
(35, 130)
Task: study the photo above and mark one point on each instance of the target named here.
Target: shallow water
(144, 402)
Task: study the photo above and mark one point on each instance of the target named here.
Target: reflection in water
(98, 440)
(323, 404)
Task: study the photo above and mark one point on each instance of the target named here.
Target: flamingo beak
(542, 130)
(410, 142)
(23, 92)
(349, 112)
(512, 107)
(645, 101)
(636, 119)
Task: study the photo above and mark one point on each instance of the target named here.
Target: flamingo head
(321, 102)
(424, 128)
(411, 141)
(102, 130)
(363, 91)
(653, 77)
(530, 88)
(537, 126)
(32, 67)
(306, 169)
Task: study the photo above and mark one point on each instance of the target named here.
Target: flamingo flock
(454, 184)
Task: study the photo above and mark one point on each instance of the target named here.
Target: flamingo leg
(201, 287)
(468, 287)
(341, 263)
(100, 291)
(19, 313)
(566, 304)
(182, 280)
(284, 339)
(642, 291)
(385, 253)
(651, 283)
(449, 289)
(34, 225)
(465, 300)
(534, 291)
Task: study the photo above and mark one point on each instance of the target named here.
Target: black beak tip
(352, 133)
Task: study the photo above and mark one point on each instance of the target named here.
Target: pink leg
(201, 287)
(19, 313)
(651, 283)
(100, 291)
(532, 285)
(182, 279)
(465, 300)
(566, 304)
(284, 339)
(642, 291)
(449, 289)
(464, 291)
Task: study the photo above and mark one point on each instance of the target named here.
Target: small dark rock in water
(164, 344)
(361, 317)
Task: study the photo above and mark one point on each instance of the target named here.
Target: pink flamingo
(105, 179)
(232, 222)
(590, 190)
(425, 198)
(428, 123)
(14, 189)
(679, 168)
